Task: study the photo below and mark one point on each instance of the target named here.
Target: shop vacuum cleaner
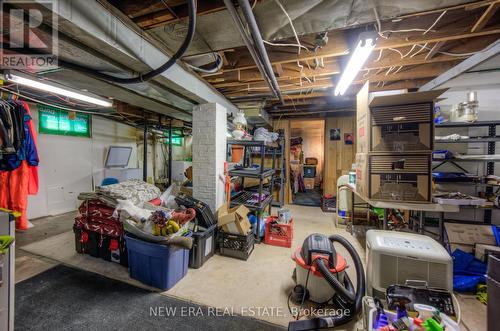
(321, 277)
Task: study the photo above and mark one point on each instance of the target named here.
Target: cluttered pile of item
(408, 284)
(158, 235)
(155, 235)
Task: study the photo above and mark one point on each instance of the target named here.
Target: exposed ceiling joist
(434, 50)
(338, 46)
(174, 14)
(487, 15)
(421, 71)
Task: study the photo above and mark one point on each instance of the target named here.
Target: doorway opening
(307, 152)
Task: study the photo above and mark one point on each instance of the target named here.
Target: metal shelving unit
(263, 197)
(490, 139)
(279, 166)
(478, 139)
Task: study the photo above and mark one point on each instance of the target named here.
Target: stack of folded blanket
(98, 228)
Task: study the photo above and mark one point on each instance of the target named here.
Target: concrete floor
(264, 280)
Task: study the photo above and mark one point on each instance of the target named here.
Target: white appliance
(123, 174)
(117, 160)
(178, 169)
(399, 257)
(344, 198)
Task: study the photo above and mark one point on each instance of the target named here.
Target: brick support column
(209, 153)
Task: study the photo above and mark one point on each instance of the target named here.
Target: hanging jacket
(6, 132)
(27, 150)
(33, 169)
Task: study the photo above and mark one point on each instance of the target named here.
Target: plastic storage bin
(157, 265)
(236, 245)
(203, 246)
(278, 234)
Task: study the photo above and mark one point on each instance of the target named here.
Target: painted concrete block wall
(209, 153)
(70, 165)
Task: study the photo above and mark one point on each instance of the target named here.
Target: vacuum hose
(347, 294)
(344, 291)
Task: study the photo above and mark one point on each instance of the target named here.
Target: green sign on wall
(53, 120)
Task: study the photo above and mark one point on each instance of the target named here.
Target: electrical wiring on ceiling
(420, 50)
(451, 54)
(411, 50)
(378, 28)
(217, 65)
(293, 29)
(435, 22)
(395, 72)
(379, 55)
(286, 45)
(397, 51)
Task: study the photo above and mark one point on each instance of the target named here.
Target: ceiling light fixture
(57, 90)
(364, 47)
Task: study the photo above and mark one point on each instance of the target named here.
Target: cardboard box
(234, 220)
(309, 183)
(401, 122)
(400, 177)
(481, 251)
(405, 137)
(363, 120)
(465, 236)
(362, 176)
(188, 190)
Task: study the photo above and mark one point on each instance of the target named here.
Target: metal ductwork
(255, 47)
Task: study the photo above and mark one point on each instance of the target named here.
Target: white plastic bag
(167, 198)
(139, 215)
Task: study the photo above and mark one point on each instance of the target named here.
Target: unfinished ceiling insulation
(216, 31)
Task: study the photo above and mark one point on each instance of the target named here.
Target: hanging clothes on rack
(33, 169)
(17, 131)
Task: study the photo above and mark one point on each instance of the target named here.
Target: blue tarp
(468, 271)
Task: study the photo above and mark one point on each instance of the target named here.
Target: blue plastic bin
(157, 265)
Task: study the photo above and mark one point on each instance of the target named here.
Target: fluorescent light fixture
(57, 90)
(363, 49)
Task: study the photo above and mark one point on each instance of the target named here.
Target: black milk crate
(236, 245)
(329, 205)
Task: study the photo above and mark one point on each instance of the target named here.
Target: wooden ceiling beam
(389, 59)
(466, 6)
(421, 71)
(165, 16)
(486, 16)
(338, 46)
(289, 72)
(434, 50)
(409, 84)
